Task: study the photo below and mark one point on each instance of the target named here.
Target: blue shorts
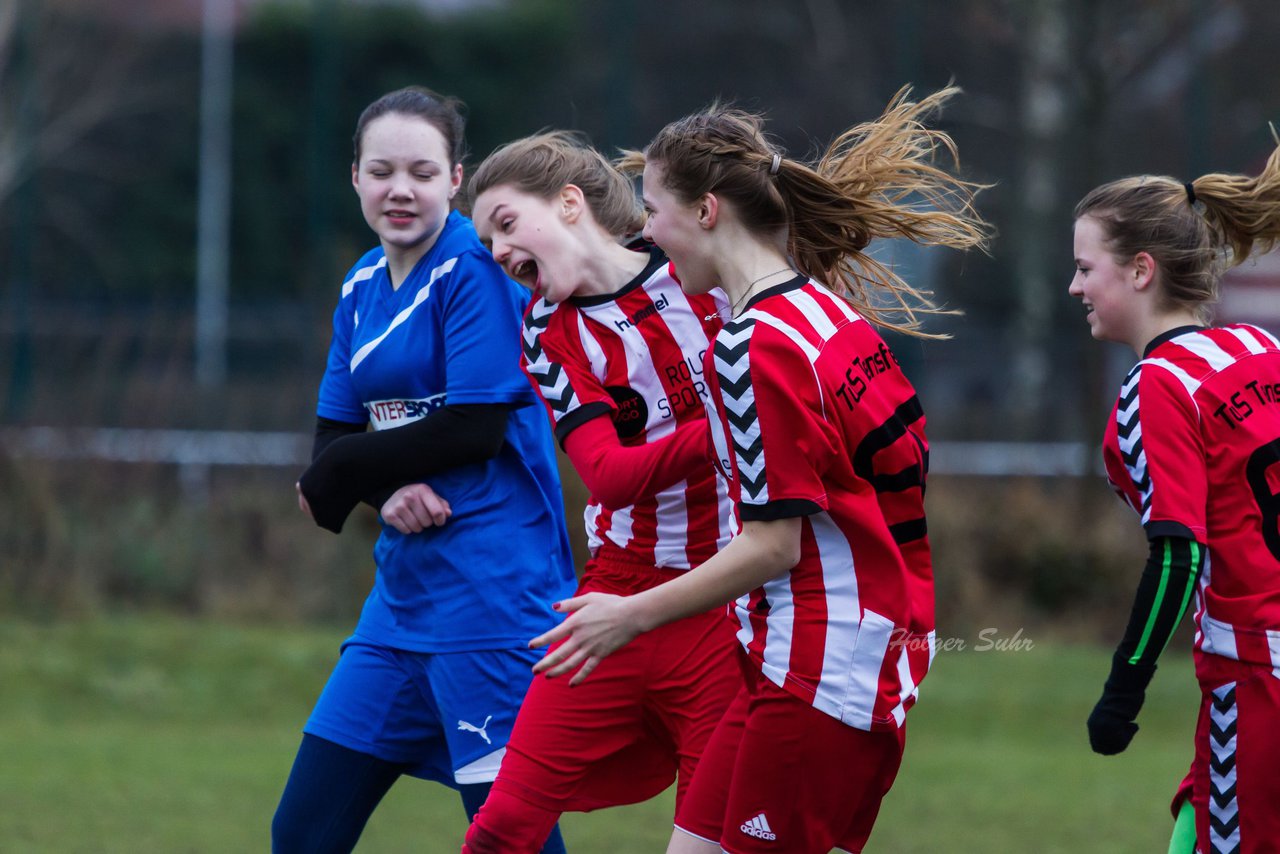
(446, 715)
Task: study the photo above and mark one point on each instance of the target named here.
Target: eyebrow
(493, 214)
(414, 165)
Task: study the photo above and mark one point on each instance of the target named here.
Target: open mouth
(526, 273)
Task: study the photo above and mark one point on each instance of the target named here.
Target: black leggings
(332, 791)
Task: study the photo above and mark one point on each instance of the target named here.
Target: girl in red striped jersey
(615, 348)
(1193, 445)
(822, 438)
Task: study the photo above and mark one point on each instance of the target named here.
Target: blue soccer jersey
(451, 334)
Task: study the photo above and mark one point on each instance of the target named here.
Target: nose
(400, 186)
(499, 249)
(647, 231)
(1075, 289)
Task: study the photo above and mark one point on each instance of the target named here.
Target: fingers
(584, 671)
(415, 508)
(437, 509)
(568, 606)
(547, 638)
(565, 658)
(303, 504)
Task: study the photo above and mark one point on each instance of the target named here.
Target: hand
(414, 508)
(1111, 724)
(598, 624)
(302, 502)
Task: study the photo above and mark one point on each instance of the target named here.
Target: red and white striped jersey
(636, 355)
(814, 418)
(1193, 445)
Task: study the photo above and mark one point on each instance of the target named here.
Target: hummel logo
(759, 828)
(643, 314)
(480, 730)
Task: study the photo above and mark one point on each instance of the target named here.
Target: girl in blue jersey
(426, 341)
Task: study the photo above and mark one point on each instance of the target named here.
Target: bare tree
(64, 74)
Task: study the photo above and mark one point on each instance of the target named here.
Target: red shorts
(779, 775)
(639, 722)
(1235, 782)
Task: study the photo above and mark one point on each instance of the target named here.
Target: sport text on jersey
(1240, 405)
(643, 314)
(396, 413)
(687, 388)
(861, 371)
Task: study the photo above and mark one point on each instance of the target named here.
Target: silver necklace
(733, 309)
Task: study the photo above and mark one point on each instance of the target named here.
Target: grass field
(159, 735)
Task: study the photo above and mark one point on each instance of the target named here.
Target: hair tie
(1191, 193)
(773, 167)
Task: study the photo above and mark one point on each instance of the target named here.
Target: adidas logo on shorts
(759, 828)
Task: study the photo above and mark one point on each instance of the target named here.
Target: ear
(455, 180)
(708, 210)
(572, 202)
(355, 176)
(1144, 270)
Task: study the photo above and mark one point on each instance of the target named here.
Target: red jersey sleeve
(560, 369)
(1156, 454)
(619, 475)
(773, 408)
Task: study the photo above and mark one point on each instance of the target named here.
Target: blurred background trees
(100, 144)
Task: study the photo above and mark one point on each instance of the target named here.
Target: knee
(481, 841)
(288, 835)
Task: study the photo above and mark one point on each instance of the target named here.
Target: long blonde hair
(878, 179)
(1194, 231)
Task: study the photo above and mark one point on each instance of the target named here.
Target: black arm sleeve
(1168, 582)
(360, 466)
(328, 431)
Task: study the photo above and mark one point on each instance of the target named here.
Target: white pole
(214, 193)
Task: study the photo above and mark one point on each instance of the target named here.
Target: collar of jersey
(794, 283)
(1168, 336)
(656, 260)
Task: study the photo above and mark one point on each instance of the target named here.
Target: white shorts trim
(483, 770)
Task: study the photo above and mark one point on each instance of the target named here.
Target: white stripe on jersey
(840, 583)
(780, 625)
(813, 313)
(907, 684)
(1218, 638)
(361, 275)
(642, 374)
(418, 299)
(874, 633)
(1251, 344)
(1190, 383)
(804, 346)
(591, 347)
(1208, 349)
(1264, 334)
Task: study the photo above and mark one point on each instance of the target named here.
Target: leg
(692, 691)
(684, 843)
(803, 781)
(578, 748)
(1183, 840)
(473, 797)
(1237, 752)
(329, 797)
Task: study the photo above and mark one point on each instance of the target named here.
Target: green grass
(159, 735)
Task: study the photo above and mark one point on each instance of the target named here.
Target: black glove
(1111, 724)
